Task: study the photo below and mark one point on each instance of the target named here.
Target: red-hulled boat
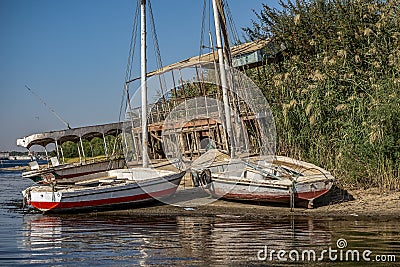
(284, 180)
(103, 190)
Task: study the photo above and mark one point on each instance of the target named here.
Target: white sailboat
(114, 187)
(278, 179)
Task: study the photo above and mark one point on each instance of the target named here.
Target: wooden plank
(98, 179)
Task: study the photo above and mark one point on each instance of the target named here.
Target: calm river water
(29, 238)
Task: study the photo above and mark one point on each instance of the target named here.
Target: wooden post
(105, 146)
(83, 151)
(143, 68)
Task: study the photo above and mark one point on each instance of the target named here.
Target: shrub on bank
(334, 88)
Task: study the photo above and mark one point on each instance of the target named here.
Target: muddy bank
(370, 203)
(360, 204)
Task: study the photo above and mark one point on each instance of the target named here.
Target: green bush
(334, 89)
(92, 148)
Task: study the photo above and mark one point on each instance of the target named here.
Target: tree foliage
(92, 148)
(336, 93)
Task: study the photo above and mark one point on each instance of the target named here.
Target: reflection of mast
(224, 81)
(143, 68)
(43, 236)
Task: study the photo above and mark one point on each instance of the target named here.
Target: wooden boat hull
(71, 170)
(233, 181)
(66, 198)
(304, 194)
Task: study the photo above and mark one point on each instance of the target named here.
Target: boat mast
(224, 81)
(143, 68)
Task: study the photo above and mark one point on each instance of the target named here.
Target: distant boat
(57, 169)
(112, 188)
(4, 155)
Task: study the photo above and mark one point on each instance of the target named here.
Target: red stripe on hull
(311, 195)
(57, 206)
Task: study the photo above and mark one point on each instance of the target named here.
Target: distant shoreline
(15, 168)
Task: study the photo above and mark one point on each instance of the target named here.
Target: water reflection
(78, 240)
(220, 241)
(182, 240)
(43, 238)
(64, 240)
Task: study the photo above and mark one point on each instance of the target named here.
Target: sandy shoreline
(358, 204)
(370, 204)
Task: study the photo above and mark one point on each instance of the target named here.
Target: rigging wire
(155, 39)
(252, 125)
(48, 107)
(228, 21)
(231, 24)
(231, 39)
(128, 73)
(156, 49)
(132, 45)
(202, 45)
(126, 98)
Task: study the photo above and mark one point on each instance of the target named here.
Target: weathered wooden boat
(284, 180)
(104, 190)
(271, 178)
(57, 168)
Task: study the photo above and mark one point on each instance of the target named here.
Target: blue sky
(73, 54)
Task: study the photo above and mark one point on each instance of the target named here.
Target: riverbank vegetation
(334, 87)
(93, 149)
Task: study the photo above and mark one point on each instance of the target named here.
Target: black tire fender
(205, 178)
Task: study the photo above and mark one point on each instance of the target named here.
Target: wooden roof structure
(236, 52)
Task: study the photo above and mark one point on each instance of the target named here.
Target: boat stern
(41, 199)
